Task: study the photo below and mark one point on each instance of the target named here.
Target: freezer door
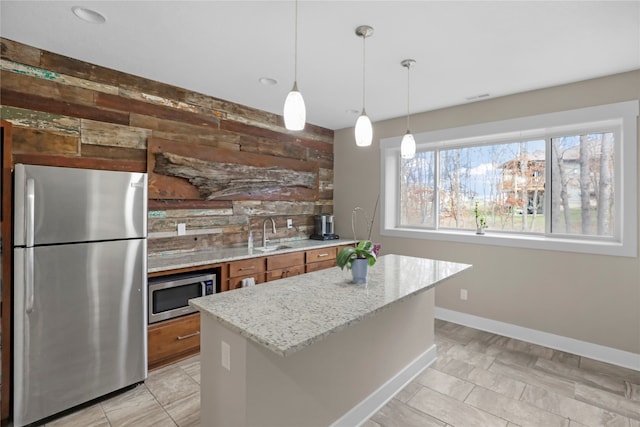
(80, 324)
(62, 205)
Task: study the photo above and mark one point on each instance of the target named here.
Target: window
(564, 181)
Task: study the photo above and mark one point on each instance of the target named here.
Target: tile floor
(480, 379)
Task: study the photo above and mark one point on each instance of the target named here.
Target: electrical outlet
(464, 295)
(226, 355)
(289, 223)
(182, 229)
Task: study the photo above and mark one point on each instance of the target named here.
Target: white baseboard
(360, 413)
(581, 348)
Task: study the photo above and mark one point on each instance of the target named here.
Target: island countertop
(290, 314)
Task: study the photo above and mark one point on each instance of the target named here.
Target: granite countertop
(172, 261)
(290, 314)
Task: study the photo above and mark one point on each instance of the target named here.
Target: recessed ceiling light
(88, 15)
(267, 81)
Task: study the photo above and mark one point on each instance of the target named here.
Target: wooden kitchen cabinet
(285, 265)
(173, 339)
(319, 259)
(244, 269)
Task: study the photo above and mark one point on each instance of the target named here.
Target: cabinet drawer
(285, 260)
(323, 254)
(173, 339)
(315, 266)
(285, 272)
(236, 282)
(246, 267)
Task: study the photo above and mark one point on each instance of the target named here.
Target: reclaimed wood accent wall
(218, 167)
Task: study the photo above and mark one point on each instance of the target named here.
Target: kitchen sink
(273, 248)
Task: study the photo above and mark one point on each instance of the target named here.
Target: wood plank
(266, 207)
(226, 179)
(54, 123)
(133, 106)
(252, 144)
(187, 133)
(258, 118)
(80, 162)
(80, 69)
(39, 103)
(164, 101)
(46, 88)
(113, 153)
(31, 71)
(325, 183)
(28, 140)
(113, 135)
(217, 179)
(185, 243)
(19, 52)
(316, 146)
(165, 187)
(159, 204)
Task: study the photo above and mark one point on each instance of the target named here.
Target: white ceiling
(462, 49)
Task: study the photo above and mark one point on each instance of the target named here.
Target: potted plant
(357, 259)
(481, 223)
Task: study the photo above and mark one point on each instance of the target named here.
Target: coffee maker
(323, 228)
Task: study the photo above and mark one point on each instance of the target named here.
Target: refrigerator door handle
(28, 279)
(30, 212)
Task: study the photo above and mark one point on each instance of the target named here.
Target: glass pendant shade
(295, 113)
(408, 146)
(364, 131)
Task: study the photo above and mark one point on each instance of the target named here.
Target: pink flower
(376, 248)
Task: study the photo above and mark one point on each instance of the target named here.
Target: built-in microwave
(169, 295)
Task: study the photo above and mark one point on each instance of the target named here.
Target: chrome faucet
(264, 230)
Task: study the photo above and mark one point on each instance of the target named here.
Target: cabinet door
(315, 266)
(236, 282)
(281, 273)
(173, 339)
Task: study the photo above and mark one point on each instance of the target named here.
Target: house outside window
(563, 181)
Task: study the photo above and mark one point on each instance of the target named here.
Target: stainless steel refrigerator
(79, 287)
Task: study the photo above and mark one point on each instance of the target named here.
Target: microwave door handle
(30, 203)
(204, 288)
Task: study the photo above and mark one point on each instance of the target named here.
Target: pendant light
(295, 113)
(364, 130)
(408, 144)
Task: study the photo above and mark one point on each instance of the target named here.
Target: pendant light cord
(295, 49)
(363, 72)
(408, 94)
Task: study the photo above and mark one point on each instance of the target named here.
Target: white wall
(585, 297)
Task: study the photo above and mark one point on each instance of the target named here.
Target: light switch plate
(182, 229)
(289, 223)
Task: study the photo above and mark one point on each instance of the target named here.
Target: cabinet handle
(252, 267)
(184, 337)
(322, 255)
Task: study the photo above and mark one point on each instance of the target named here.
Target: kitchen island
(316, 349)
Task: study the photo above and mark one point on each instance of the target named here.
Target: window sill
(497, 238)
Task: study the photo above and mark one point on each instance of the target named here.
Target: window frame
(620, 118)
